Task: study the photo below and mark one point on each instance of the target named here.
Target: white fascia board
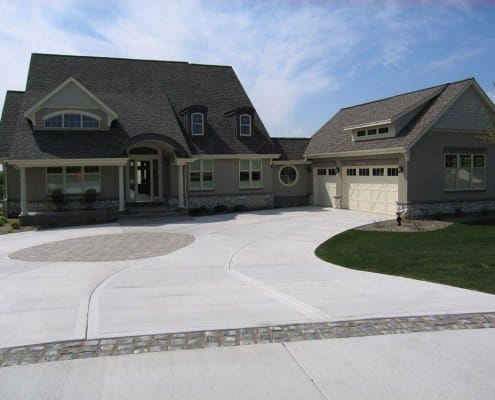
(368, 125)
(64, 162)
(29, 113)
(235, 156)
(291, 162)
(357, 153)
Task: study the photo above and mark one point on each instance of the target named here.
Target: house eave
(67, 161)
(368, 124)
(356, 153)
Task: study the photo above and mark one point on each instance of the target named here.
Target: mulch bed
(408, 225)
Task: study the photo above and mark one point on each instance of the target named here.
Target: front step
(151, 211)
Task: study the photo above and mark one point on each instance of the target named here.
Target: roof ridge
(130, 59)
(406, 93)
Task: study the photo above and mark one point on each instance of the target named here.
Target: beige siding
(467, 113)
(301, 188)
(226, 179)
(426, 167)
(71, 95)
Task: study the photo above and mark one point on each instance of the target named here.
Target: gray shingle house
(418, 152)
(136, 131)
(187, 135)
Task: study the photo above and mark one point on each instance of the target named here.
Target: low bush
(3, 220)
(197, 210)
(14, 223)
(219, 208)
(90, 199)
(458, 212)
(238, 207)
(59, 200)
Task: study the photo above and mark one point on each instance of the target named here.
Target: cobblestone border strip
(70, 350)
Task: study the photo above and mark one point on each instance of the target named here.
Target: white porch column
(180, 177)
(24, 203)
(121, 189)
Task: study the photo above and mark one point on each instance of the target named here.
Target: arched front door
(144, 174)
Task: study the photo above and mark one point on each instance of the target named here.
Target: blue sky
(298, 61)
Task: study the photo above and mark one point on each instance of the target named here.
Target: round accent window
(288, 175)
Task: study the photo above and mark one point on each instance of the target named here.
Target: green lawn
(459, 255)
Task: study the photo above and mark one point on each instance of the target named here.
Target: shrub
(458, 212)
(437, 216)
(219, 208)
(3, 220)
(58, 200)
(485, 211)
(14, 224)
(90, 199)
(238, 207)
(197, 210)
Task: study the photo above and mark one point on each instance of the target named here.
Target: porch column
(121, 189)
(180, 177)
(24, 203)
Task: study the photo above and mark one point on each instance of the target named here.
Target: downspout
(5, 189)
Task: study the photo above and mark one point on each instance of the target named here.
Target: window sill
(464, 190)
(250, 189)
(202, 190)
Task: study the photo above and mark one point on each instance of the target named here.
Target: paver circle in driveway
(113, 247)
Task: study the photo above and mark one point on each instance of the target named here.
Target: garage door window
(321, 171)
(332, 171)
(351, 172)
(288, 175)
(378, 171)
(393, 171)
(364, 172)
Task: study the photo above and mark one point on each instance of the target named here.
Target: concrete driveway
(241, 270)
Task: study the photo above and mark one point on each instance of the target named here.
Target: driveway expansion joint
(77, 349)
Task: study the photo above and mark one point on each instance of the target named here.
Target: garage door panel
(326, 190)
(378, 194)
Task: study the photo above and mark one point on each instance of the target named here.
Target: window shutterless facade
(197, 124)
(71, 119)
(201, 175)
(250, 174)
(464, 172)
(245, 125)
(73, 179)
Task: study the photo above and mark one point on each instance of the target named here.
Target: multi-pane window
(73, 179)
(72, 120)
(250, 174)
(378, 171)
(351, 171)
(197, 124)
(361, 133)
(245, 125)
(201, 175)
(364, 172)
(372, 132)
(393, 171)
(332, 171)
(288, 175)
(464, 171)
(321, 171)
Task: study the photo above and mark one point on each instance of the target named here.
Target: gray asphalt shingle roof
(291, 148)
(10, 113)
(147, 96)
(331, 137)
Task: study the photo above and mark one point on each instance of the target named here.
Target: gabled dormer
(70, 106)
(194, 120)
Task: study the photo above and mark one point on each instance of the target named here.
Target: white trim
(241, 124)
(29, 113)
(202, 124)
(280, 172)
(368, 124)
(233, 156)
(292, 162)
(63, 112)
(392, 150)
(61, 162)
(377, 135)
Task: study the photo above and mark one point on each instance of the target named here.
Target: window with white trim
(250, 174)
(201, 175)
(74, 179)
(72, 119)
(245, 125)
(350, 171)
(332, 171)
(364, 172)
(464, 172)
(288, 175)
(321, 171)
(393, 171)
(375, 132)
(197, 124)
(378, 171)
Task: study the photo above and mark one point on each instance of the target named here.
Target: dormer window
(197, 124)
(72, 119)
(245, 125)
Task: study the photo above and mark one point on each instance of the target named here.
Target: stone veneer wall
(414, 210)
(249, 201)
(14, 207)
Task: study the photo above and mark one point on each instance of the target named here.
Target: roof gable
(69, 93)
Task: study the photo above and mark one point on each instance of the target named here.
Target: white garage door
(371, 188)
(326, 187)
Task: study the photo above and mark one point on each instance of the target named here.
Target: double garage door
(365, 188)
(371, 188)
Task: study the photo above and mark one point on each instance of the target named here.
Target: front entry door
(143, 180)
